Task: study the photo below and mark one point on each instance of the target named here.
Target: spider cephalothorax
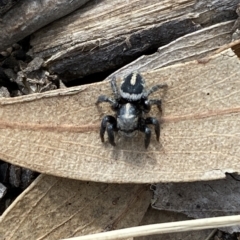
(130, 104)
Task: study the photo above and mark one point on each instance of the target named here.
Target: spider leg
(115, 88)
(147, 136)
(154, 89)
(155, 122)
(144, 128)
(103, 98)
(110, 123)
(148, 103)
(110, 130)
(157, 102)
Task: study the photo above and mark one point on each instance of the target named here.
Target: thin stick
(181, 226)
(211, 234)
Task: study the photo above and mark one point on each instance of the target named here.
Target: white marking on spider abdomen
(133, 79)
(127, 119)
(128, 112)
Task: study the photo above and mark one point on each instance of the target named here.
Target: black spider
(130, 104)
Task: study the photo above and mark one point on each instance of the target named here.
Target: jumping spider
(130, 104)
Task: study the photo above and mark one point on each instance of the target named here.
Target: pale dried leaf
(58, 132)
(55, 208)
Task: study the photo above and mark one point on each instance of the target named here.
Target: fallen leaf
(57, 132)
(56, 208)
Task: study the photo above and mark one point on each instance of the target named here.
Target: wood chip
(103, 36)
(30, 15)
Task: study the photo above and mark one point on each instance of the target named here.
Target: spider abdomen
(127, 118)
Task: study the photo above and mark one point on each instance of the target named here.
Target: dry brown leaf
(56, 208)
(58, 132)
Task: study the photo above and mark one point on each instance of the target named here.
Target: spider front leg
(115, 88)
(155, 122)
(154, 89)
(156, 102)
(109, 123)
(103, 98)
(148, 103)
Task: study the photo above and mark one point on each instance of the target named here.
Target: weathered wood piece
(57, 208)
(106, 35)
(191, 46)
(3, 190)
(58, 132)
(6, 5)
(200, 199)
(30, 15)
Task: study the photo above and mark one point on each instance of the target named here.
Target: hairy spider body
(127, 118)
(130, 104)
